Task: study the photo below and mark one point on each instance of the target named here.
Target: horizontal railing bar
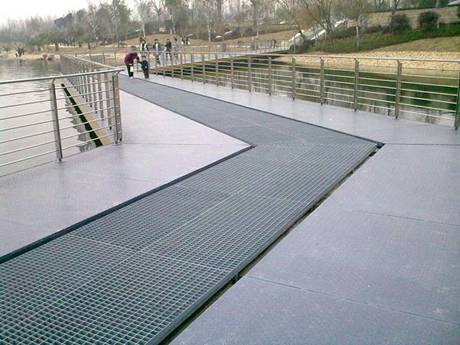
(377, 100)
(430, 92)
(26, 136)
(427, 115)
(85, 142)
(377, 93)
(26, 125)
(27, 148)
(116, 70)
(379, 86)
(21, 104)
(425, 107)
(429, 100)
(24, 92)
(428, 77)
(27, 158)
(86, 113)
(375, 106)
(24, 115)
(85, 94)
(88, 131)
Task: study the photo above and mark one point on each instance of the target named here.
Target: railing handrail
(324, 56)
(112, 70)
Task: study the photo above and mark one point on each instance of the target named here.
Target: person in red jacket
(129, 62)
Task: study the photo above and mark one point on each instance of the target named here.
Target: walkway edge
(69, 229)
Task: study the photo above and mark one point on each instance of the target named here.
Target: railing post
(100, 96)
(270, 76)
(203, 69)
(398, 88)
(293, 78)
(457, 110)
(181, 65)
(107, 98)
(356, 86)
(321, 81)
(55, 116)
(116, 109)
(232, 73)
(250, 74)
(217, 70)
(191, 70)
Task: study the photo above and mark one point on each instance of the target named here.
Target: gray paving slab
(408, 181)
(159, 146)
(256, 312)
(398, 263)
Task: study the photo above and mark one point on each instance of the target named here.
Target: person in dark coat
(129, 62)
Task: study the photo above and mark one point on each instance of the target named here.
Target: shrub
(373, 29)
(399, 23)
(343, 33)
(428, 21)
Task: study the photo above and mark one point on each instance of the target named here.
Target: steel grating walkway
(133, 275)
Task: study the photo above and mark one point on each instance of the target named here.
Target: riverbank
(383, 60)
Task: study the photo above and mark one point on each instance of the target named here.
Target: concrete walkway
(376, 263)
(159, 147)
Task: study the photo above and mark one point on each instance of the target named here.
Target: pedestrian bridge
(334, 226)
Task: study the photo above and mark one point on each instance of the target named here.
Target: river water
(34, 140)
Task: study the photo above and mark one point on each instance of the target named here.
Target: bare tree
(144, 11)
(320, 11)
(92, 22)
(395, 5)
(158, 7)
(357, 11)
(255, 4)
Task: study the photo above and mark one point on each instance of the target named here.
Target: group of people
(168, 51)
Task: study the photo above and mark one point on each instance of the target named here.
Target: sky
(21, 9)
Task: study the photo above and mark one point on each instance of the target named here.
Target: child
(145, 67)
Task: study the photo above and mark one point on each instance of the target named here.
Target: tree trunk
(56, 46)
(357, 36)
(255, 23)
(220, 21)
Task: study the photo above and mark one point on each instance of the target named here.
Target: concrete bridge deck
(377, 262)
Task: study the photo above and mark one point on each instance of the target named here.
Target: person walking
(129, 62)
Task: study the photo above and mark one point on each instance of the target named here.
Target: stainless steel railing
(115, 57)
(49, 118)
(427, 90)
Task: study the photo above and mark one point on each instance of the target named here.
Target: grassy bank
(371, 41)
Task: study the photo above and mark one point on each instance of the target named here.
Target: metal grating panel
(130, 304)
(32, 281)
(150, 218)
(133, 275)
